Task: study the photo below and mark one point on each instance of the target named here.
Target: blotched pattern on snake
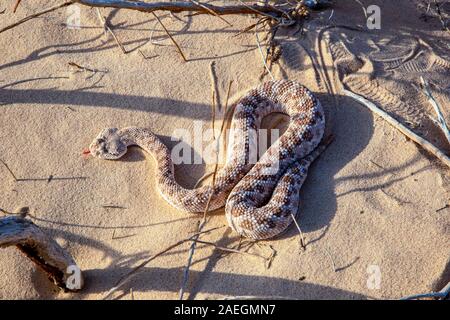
(260, 198)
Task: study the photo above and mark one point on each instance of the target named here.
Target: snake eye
(100, 140)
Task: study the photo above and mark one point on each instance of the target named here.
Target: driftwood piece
(195, 6)
(42, 250)
(407, 132)
(285, 14)
(198, 8)
(179, 6)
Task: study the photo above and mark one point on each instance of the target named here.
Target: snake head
(108, 145)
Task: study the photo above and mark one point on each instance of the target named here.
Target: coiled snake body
(260, 198)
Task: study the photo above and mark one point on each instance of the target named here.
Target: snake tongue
(86, 151)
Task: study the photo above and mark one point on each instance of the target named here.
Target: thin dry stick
(207, 175)
(222, 126)
(129, 275)
(171, 38)
(203, 177)
(333, 265)
(178, 6)
(302, 238)
(363, 7)
(440, 117)
(393, 197)
(441, 18)
(250, 27)
(261, 52)
(106, 26)
(211, 11)
(151, 34)
(438, 210)
(230, 249)
(213, 112)
(272, 256)
(10, 171)
(407, 132)
(377, 165)
(203, 221)
(258, 11)
(215, 100)
(147, 57)
(16, 5)
(81, 68)
(267, 11)
(35, 15)
(226, 112)
(228, 94)
(195, 238)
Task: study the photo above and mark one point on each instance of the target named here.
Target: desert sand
(374, 201)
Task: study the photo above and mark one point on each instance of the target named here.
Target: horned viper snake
(260, 198)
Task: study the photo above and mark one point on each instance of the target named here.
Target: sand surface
(371, 201)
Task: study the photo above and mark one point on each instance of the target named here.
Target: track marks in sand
(387, 68)
(359, 74)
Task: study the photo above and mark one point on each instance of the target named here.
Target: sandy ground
(371, 202)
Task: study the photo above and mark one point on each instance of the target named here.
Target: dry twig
(250, 27)
(203, 221)
(107, 27)
(211, 11)
(147, 57)
(330, 257)
(302, 238)
(230, 249)
(269, 11)
(179, 6)
(264, 59)
(9, 170)
(16, 5)
(35, 15)
(440, 117)
(129, 275)
(441, 18)
(407, 132)
(443, 208)
(171, 38)
(214, 91)
(81, 68)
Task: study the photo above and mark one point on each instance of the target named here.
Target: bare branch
(65, 4)
(107, 27)
(16, 5)
(211, 11)
(129, 275)
(171, 38)
(440, 117)
(178, 6)
(40, 248)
